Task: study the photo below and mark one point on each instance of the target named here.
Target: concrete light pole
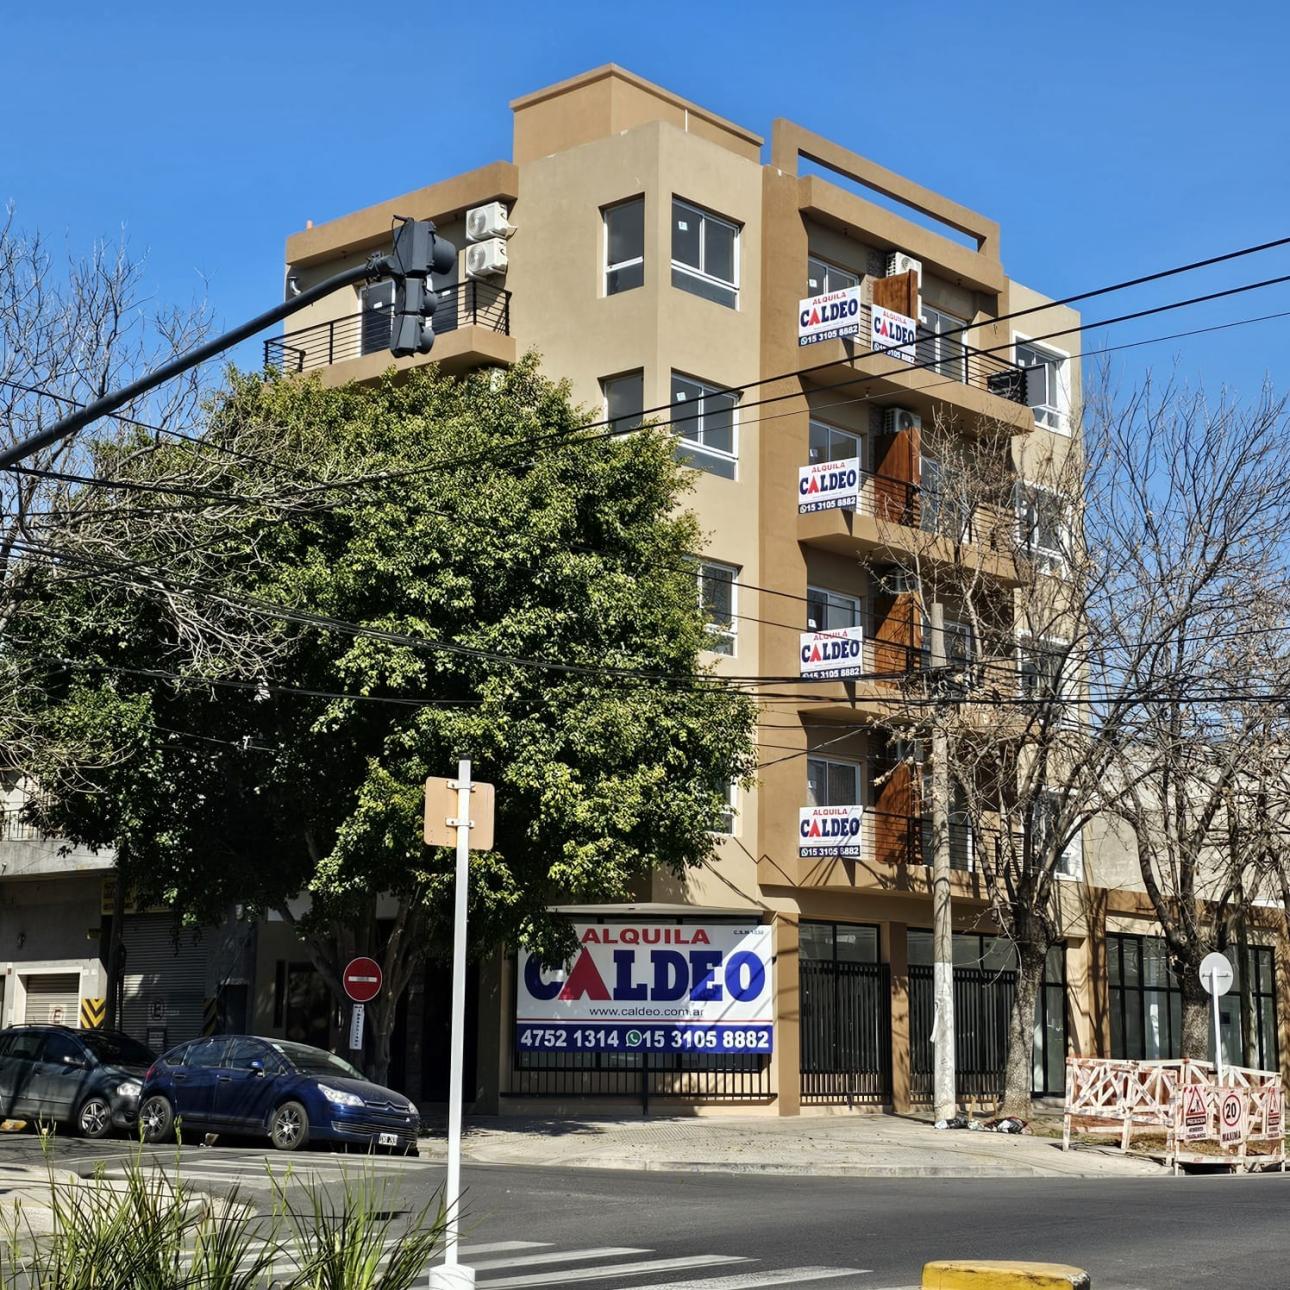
(944, 1091)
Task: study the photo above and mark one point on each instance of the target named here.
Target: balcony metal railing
(468, 304)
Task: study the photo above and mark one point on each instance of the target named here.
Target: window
(62, 1050)
(25, 1046)
(717, 600)
(1045, 670)
(1070, 864)
(725, 823)
(832, 783)
(830, 611)
(624, 246)
(821, 276)
(705, 419)
(945, 353)
(962, 834)
(837, 943)
(1049, 1071)
(828, 443)
(1146, 1001)
(242, 1052)
(940, 509)
(705, 254)
(209, 1053)
(1050, 398)
(1042, 524)
(624, 399)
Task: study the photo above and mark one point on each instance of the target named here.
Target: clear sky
(1108, 139)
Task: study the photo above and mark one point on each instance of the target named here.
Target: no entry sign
(362, 979)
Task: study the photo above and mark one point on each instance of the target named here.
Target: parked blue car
(290, 1093)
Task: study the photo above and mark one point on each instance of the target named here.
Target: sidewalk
(835, 1146)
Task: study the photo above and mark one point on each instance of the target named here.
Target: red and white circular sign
(362, 979)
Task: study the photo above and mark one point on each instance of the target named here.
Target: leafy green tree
(526, 597)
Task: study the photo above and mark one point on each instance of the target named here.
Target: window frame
(1052, 416)
(949, 354)
(714, 629)
(729, 818)
(829, 596)
(1028, 645)
(613, 422)
(699, 273)
(696, 424)
(828, 267)
(857, 778)
(1027, 513)
(1071, 863)
(857, 438)
(606, 267)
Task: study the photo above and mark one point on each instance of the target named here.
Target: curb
(954, 1274)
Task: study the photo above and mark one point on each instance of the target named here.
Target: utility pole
(944, 1091)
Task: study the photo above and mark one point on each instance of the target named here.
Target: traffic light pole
(378, 266)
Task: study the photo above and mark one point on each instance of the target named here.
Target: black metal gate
(982, 1005)
(846, 1032)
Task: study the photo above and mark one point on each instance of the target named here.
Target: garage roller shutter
(54, 998)
(164, 981)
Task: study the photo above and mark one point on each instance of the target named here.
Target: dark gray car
(87, 1078)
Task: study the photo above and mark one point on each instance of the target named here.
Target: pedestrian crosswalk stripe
(558, 1256)
(569, 1275)
(755, 1280)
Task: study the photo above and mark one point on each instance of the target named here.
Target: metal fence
(721, 1077)
(846, 1032)
(467, 304)
(982, 1004)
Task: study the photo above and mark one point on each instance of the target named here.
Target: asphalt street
(531, 1227)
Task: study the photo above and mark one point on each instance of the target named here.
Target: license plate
(387, 1140)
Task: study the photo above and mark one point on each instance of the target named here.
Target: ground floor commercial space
(850, 1008)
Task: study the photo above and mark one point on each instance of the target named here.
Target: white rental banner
(829, 655)
(829, 831)
(828, 485)
(892, 333)
(642, 987)
(828, 317)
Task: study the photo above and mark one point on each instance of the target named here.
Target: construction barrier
(1181, 1101)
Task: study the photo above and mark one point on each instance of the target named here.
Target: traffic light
(418, 252)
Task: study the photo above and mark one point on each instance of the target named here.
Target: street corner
(995, 1274)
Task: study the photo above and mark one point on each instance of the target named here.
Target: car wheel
(289, 1127)
(94, 1119)
(156, 1119)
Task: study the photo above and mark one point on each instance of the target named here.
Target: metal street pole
(944, 1091)
(1218, 1029)
(452, 1275)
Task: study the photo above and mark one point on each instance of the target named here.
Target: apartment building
(658, 256)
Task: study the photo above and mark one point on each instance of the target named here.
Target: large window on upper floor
(1043, 524)
(705, 418)
(832, 783)
(830, 611)
(1049, 387)
(941, 343)
(718, 587)
(705, 254)
(829, 443)
(624, 245)
(624, 397)
(821, 277)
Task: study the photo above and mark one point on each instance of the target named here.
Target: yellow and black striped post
(93, 1013)
(210, 1016)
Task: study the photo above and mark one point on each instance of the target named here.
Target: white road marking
(570, 1275)
(558, 1256)
(753, 1280)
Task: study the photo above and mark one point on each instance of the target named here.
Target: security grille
(53, 998)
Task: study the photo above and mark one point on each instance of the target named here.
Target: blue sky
(1107, 139)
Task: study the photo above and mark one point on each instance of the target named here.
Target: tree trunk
(1195, 1016)
(1019, 1072)
(381, 1017)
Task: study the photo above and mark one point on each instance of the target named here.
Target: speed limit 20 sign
(1231, 1117)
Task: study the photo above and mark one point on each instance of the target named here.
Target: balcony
(934, 367)
(466, 319)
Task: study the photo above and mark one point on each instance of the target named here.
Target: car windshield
(314, 1061)
(116, 1050)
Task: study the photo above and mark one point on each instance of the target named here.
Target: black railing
(721, 1077)
(468, 304)
(982, 1006)
(846, 1032)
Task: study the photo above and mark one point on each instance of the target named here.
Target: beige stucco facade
(606, 137)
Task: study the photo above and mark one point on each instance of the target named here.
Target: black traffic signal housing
(418, 252)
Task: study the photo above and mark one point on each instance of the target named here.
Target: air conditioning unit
(898, 262)
(484, 259)
(483, 222)
(900, 421)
